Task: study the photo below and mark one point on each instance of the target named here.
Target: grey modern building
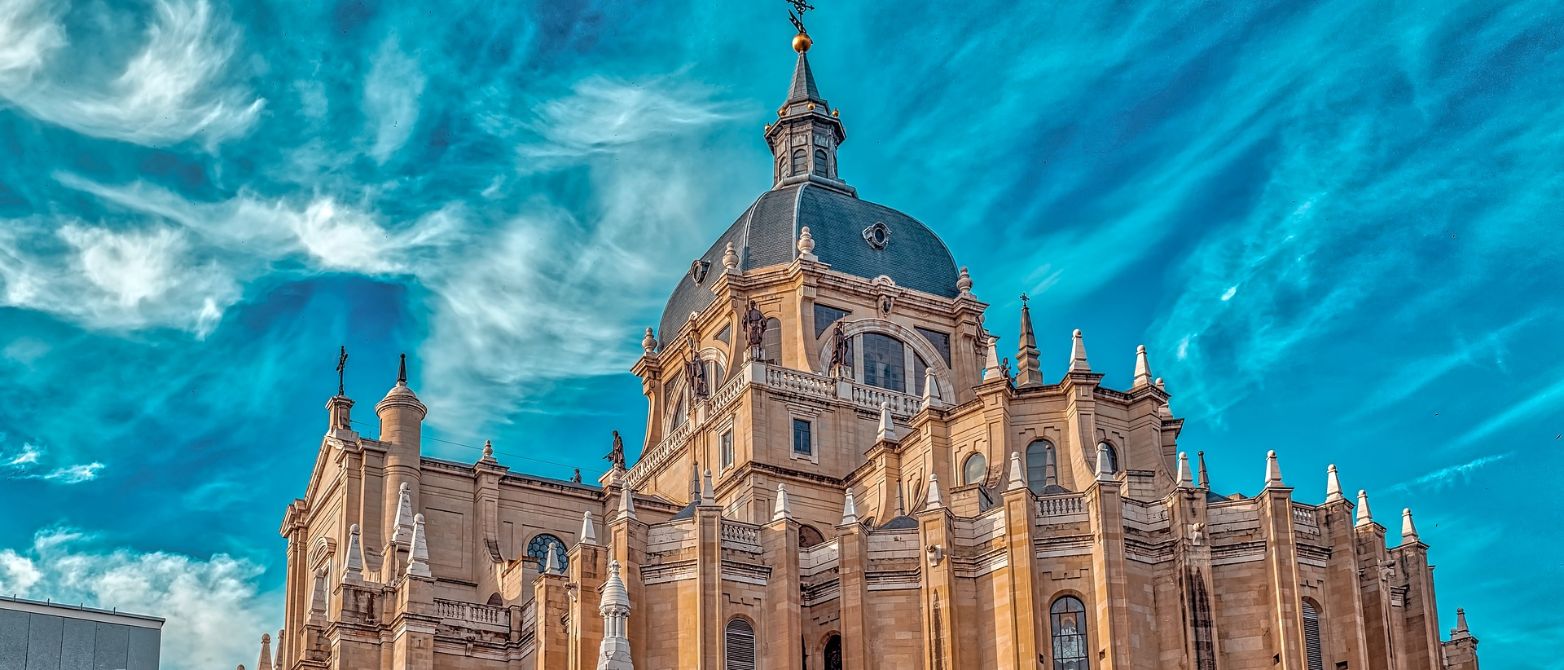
(47, 636)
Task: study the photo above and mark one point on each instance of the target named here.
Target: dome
(842, 225)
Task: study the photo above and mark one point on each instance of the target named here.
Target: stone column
(784, 599)
(1025, 612)
(1110, 609)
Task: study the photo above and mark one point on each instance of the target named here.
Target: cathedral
(841, 470)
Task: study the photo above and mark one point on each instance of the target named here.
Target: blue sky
(1334, 224)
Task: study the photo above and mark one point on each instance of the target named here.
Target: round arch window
(542, 545)
(975, 470)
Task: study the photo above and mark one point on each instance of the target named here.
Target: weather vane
(796, 14)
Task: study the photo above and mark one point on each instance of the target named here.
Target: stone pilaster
(853, 559)
(1281, 569)
(784, 600)
(943, 642)
(1023, 615)
(552, 600)
(1110, 583)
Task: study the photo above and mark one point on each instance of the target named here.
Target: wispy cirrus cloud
(27, 463)
(1448, 476)
(172, 88)
(391, 98)
(1549, 398)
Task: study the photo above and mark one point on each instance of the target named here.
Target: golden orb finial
(802, 42)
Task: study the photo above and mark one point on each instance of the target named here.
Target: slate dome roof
(766, 234)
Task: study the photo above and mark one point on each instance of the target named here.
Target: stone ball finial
(964, 282)
(649, 341)
(730, 258)
(806, 243)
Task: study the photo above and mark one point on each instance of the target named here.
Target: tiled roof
(766, 234)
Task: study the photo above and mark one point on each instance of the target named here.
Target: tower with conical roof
(806, 134)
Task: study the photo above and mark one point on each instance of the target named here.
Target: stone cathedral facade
(841, 470)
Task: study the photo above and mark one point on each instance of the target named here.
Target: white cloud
(27, 456)
(76, 474)
(1446, 477)
(187, 265)
(28, 464)
(1548, 398)
(171, 89)
(391, 96)
(106, 278)
(213, 609)
(602, 115)
(29, 33)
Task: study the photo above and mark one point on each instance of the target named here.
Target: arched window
(1311, 635)
(1041, 470)
(884, 362)
(1113, 456)
(808, 536)
(540, 546)
(800, 161)
(821, 163)
(833, 653)
(738, 645)
(975, 469)
(496, 601)
(771, 341)
(1067, 621)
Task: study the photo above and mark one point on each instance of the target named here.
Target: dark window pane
(802, 439)
(825, 316)
(541, 546)
(975, 470)
(919, 375)
(771, 341)
(1040, 467)
(1067, 623)
(941, 342)
(821, 163)
(799, 161)
(884, 362)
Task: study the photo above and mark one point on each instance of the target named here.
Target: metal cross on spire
(796, 14)
(342, 366)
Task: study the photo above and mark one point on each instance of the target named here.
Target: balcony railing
(740, 536)
(486, 615)
(780, 380)
(1060, 508)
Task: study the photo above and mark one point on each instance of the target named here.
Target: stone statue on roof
(754, 325)
(695, 372)
(841, 351)
(615, 456)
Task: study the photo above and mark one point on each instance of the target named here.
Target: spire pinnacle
(418, 561)
(934, 498)
(1017, 479)
(1365, 517)
(1273, 471)
(991, 369)
(849, 509)
(1460, 629)
(1078, 353)
(1205, 482)
(708, 492)
(353, 568)
(1184, 482)
(626, 502)
(887, 426)
(401, 371)
(1142, 368)
(782, 510)
(265, 662)
(1408, 531)
(403, 534)
(550, 562)
(1028, 366)
(317, 613)
(588, 531)
(930, 387)
(1104, 460)
(614, 651)
(1332, 485)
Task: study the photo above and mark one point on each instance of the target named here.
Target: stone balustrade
(1060, 509)
(471, 613)
(780, 380)
(740, 536)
